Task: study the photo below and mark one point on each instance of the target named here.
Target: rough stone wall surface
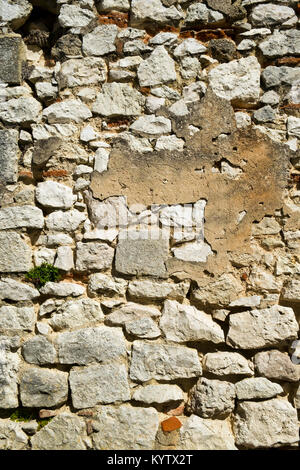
(149, 151)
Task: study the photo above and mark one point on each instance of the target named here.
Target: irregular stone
(158, 394)
(137, 46)
(270, 15)
(198, 13)
(101, 344)
(9, 364)
(100, 41)
(153, 290)
(212, 398)
(257, 388)
(163, 362)
(82, 72)
(21, 216)
(246, 45)
(281, 43)
(43, 388)
(65, 221)
(267, 226)
(12, 436)
(206, 434)
(103, 284)
(264, 114)
(197, 251)
(155, 12)
(30, 427)
(15, 12)
(62, 289)
(291, 291)
(227, 364)
(54, 195)
(14, 290)
(64, 258)
(12, 54)
(142, 256)
(270, 97)
(182, 323)
(261, 280)
(38, 350)
(157, 69)
(293, 126)
(163, 39)
(270, 423)
(257, 329)
(9, 151)
(15, 254)
(46, 91)
(223, 50)
(76, 314)
(68, 111)
(237, 81)
(131, 312)
(64, 432)
(23, 111)
(219, 292)
(151, 126)
(242, 120)
(99, 384)
(118, 99)
(252, 301)
(66, 47)
(189, 46)
(144, 328)
(135, 143)
(274, 76)
(169, 142)
(74, 16)
(93, 255)
(101, 160)
(276, 365)
(119, 5)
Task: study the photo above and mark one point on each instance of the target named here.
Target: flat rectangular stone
(11, 59)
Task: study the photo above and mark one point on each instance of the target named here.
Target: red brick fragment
(171, 424)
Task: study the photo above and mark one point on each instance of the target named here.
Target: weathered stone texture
(125, 428)
(11, 57)
(163, 362)
(9, 151)
(271, 423)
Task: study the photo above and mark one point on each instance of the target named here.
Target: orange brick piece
(171, 424)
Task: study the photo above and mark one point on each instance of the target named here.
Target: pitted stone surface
(43, 388)
(163, 362)
(125, 428)
(85, 346)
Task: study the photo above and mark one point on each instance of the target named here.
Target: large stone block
(64, 432)
(163, 362)
(104, 383)
(11, 59)
(101, 344)
(271, 423)
(43, 388)
(258, 329)
(206, 434)
(15, 254)
(142, 256)
(8, 155)
(125, 428)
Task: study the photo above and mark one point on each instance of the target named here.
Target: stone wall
(149, 151)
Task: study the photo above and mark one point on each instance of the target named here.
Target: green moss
(22, 415)
(43, 422)
(42, 274)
